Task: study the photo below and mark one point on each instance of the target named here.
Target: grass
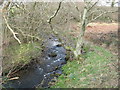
(20, 55)
(96, 71)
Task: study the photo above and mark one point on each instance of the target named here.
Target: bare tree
(85, 20)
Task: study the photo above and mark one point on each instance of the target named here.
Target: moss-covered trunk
(80, 41)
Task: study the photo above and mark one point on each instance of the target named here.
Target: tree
(85, 20)
(112, 3)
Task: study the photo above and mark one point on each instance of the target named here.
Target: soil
(103, 34)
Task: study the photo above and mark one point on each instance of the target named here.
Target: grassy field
(96, 69)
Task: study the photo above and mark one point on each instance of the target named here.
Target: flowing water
(40, 74)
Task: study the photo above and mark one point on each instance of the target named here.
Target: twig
(33, 36)
(14, 34)
(92, 6)
(29, 35)
(95, 11)
(18, 6)
(6, 5)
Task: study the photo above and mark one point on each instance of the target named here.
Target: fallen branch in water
(14, 78)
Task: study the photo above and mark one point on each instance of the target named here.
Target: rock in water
(52, 54)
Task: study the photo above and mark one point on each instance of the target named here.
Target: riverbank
(98, 68)
(17, 56)
(41, 71)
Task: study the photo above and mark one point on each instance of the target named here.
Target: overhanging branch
(50, 19)
(92, 6)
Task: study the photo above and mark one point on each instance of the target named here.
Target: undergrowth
(19, 55)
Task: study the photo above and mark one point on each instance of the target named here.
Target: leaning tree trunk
(80, 41)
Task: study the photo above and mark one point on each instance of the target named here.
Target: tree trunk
(112, 3)
(79, 45)
(80, 41)
(1, 42)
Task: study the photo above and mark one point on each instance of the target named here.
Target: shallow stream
(40, 74)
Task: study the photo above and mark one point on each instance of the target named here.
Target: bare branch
(92, 6)
(50, 19)
(14, 34)
(18, 6)
(6, 5)
(33, 37)
(96, 10)
(101, 15)
(77, 8)
(29, 35)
